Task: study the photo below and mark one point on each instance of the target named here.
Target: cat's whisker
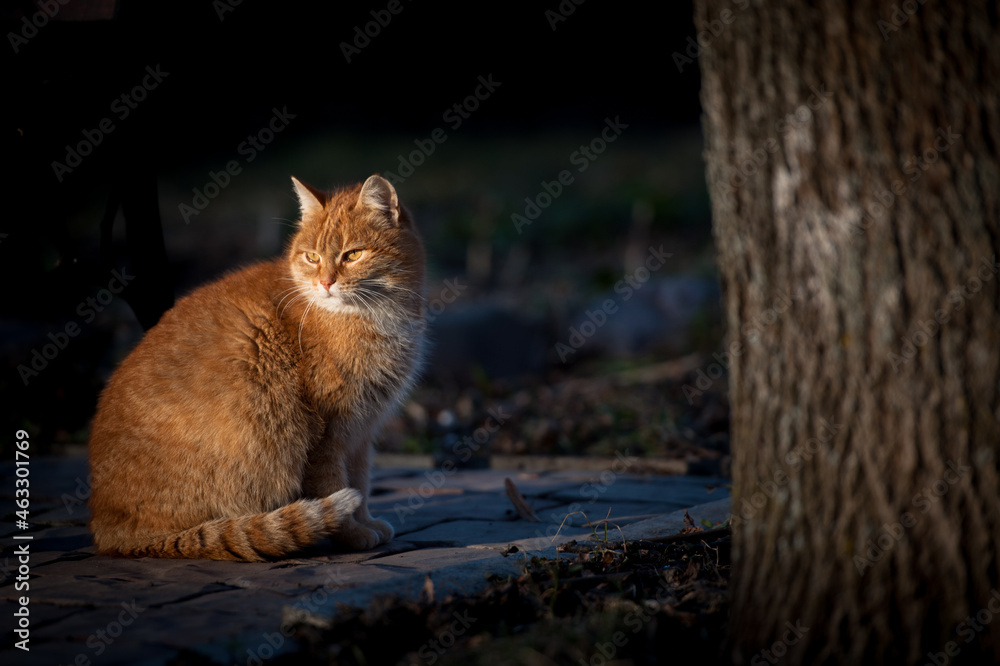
(399, 311)
(286, 223)
(295, 286)
(293, 289)
(363, 298)
(389, 285)
(385, 294)
(361, 289)
(288, 290)
(303, 321)
(298, 298)
(378, 298)
(421, 297)
(388, 318)
(296, 292)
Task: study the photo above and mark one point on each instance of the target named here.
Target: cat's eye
(353, 255)
(312, 257)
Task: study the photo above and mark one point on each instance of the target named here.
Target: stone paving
(456, 528)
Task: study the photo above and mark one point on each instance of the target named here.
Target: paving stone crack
(197, 595)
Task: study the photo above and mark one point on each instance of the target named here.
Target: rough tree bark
(853, 156)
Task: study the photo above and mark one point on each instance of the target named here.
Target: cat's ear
(311, 200)
(377, 193)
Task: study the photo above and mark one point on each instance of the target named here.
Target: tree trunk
(853, 167)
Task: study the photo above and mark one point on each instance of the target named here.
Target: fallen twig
(517, 499)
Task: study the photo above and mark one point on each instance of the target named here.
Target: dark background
(228, 73)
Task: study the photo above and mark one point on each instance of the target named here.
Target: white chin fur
(333, 303)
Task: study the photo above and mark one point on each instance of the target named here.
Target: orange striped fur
(240, 428)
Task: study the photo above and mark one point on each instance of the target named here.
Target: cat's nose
(327, 283)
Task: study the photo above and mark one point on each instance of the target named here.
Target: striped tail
(254, 538)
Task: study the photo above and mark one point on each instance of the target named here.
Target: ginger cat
(240, 428)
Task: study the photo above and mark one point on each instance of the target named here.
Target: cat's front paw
(359, 537)
(366, 535)
(383, 529)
